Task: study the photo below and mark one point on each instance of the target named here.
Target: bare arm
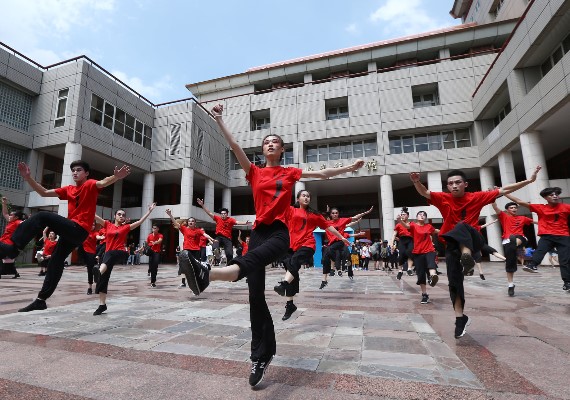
(239, 237)
(421, 189)
(393, 241)
(354, 222)
(243, 222)
(135, 225)
(333, 230)
(236, 148)
(359, 216)
(39, 189)
(516, 186)
(45, 233)
(330, 172)
(201, 204)
(5, 212)
(496, 208)
(100, 221)
(517, 200)
(490, 223)
(174, 223)
(118, 174)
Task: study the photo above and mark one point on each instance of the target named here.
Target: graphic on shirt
(303, 224)
(278, 187)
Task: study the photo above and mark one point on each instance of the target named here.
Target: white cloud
(151, 91)
(405, 18)
(352, 29)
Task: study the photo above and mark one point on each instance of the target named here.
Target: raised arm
(330, 172)
(240, 241)
(359, 216)
(5, 212)
(201, 204)
(516, 186)
(45, 234)
(496, 208)
(421, 189)
(118, 174)
(353, 222)
(39, 189)
(135, 225)
(101, 222)
(517, 200)
(236, 148)
(174, 223)
(335, 232)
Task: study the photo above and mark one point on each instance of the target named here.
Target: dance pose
(405, 244)
(89, 248)
(244, 244)
(13, 219)
(154, 241)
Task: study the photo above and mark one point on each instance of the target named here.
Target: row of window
(9, 158)
(15, 107)
(257, 158)
(557, 54)
(449, 139)
(341, 150)
(501, 115)
(61, 107)
(118, 121)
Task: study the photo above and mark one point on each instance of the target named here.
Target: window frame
(322, 152)
(60, 116)
(442, 140)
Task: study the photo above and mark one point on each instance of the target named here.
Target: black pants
(294, 261)
(153, 261)
(405, 247)
(89, 264)
(548, 243)
(424, 262)
(110, 258)
(71, 235)
(8, 269)
(226, 244)
(510, 250)
(267, 243)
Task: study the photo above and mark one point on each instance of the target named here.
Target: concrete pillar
(506, 168)
(227, 199)
(298, 152)
(372, 67)
(308, 78)
(477, 133)
(516, 86)
(493, 231)
(186, 192)
(73, 152)
(387, 201)
(117, 194)
(434, 181)
(209, 195)
(300, 186)
(147, 198)
(444, 53)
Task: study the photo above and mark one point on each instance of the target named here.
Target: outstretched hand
(535, 173)
(24, 170)
(169, 212)
(217, 110)
(122, 172)
(415, 176)
(357, 165)
(151, 206)
(370, 210)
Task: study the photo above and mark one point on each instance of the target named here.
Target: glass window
(312, 154)
(566, 44)
(323, 153)
(546, 66)
(334, 151)
(148, 131)
(395, 145)
(557, 55)
(448, 139)
(357, 150)
(109, 116)
(61, 108)
(408, 144)
(370, 148)
(434, 141)
(288, 158)
(96, 116)
(421, 142)
(346, 151)
(97, 102)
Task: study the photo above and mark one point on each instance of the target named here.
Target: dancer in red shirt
(244, 244)
(50, 241)
(89, 249)
(13, 219)
(301, 221)
(154, 241)
(553, 230)
(405, 244)
(460, 211)
(117, 233)
(513, 238)
(272, 187)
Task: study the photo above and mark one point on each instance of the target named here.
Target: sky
(159, 47)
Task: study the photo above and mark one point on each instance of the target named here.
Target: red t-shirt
(153, 238)
(466, 208)
(422, 238)
(49, 246)
(90, 244)
(272, 192)
(191, 237)
(203, 241)
(513, 224)
(552, 220)
(301, 225)
(101, 233)
(245, 248)
(116, 236)
(340, 225)
(10, 228)
(224, 226)
(402, 231)
(81, 202)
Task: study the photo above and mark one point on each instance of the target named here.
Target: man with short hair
(552, 229)
(460, 230)
(154, 240)
(73, 230)
(224, 225)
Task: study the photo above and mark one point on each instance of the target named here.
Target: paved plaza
(367, 338)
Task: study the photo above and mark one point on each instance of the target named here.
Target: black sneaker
(468, 263)
(289, 310)
(511, 291)
(8, 250)
(399, 276)
(37, 304)
(410, 272)
(258, 369)
(461, 324)
(153, 285)
(197, 275)
(530, 268)
(323, 284)
(331, 273)
(89, 291)
(425, 298)
(566, 286)
(339, 272)
(16, 276)
(42, 273)
(96, 274)
(433, 279)
(482, 277)
(282, 288)
(100, 310)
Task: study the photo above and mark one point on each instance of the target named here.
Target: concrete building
(489, 96)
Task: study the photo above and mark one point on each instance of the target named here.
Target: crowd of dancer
(281, 231)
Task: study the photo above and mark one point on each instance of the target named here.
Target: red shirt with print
(191, 237)
(90, 244)
(203, 241)
(513, 224)
(552, 220)
(153, 238)
(340, 225)
(272, 192)
(402, 231)
(49, 246)
(116, 236)
(422, 238)
(224, 226)
(301, 224)
(466, 208)
(81, 202)
(10, 228)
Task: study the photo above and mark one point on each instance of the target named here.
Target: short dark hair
(80, 163)
(224, 209)
(20, 214)
(457, 172)
(509, 204)
(405, 211)
(421, 212)
(549, 190)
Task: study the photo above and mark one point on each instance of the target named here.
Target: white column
(477, 132)
(227, 199)
(117, 194)
(73, 152)
(299, 186)
(434, 181)
(147, 198)
(209, 195)
(506, 168)
(307, 78)
(387, 200)
(186, 192)
(372, 67)
(493, 231)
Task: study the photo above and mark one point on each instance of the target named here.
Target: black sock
(289, 301)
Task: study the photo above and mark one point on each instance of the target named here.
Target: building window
(123, 124)
(501, 115)
(418, 142)
(15, 107)
(260, 120)
(425, 95)
(257, 158)
(9, 159)
(341, 150)
(556, 55)
(61, 108)
(497, 8)
(175, 139)
(337, 108)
